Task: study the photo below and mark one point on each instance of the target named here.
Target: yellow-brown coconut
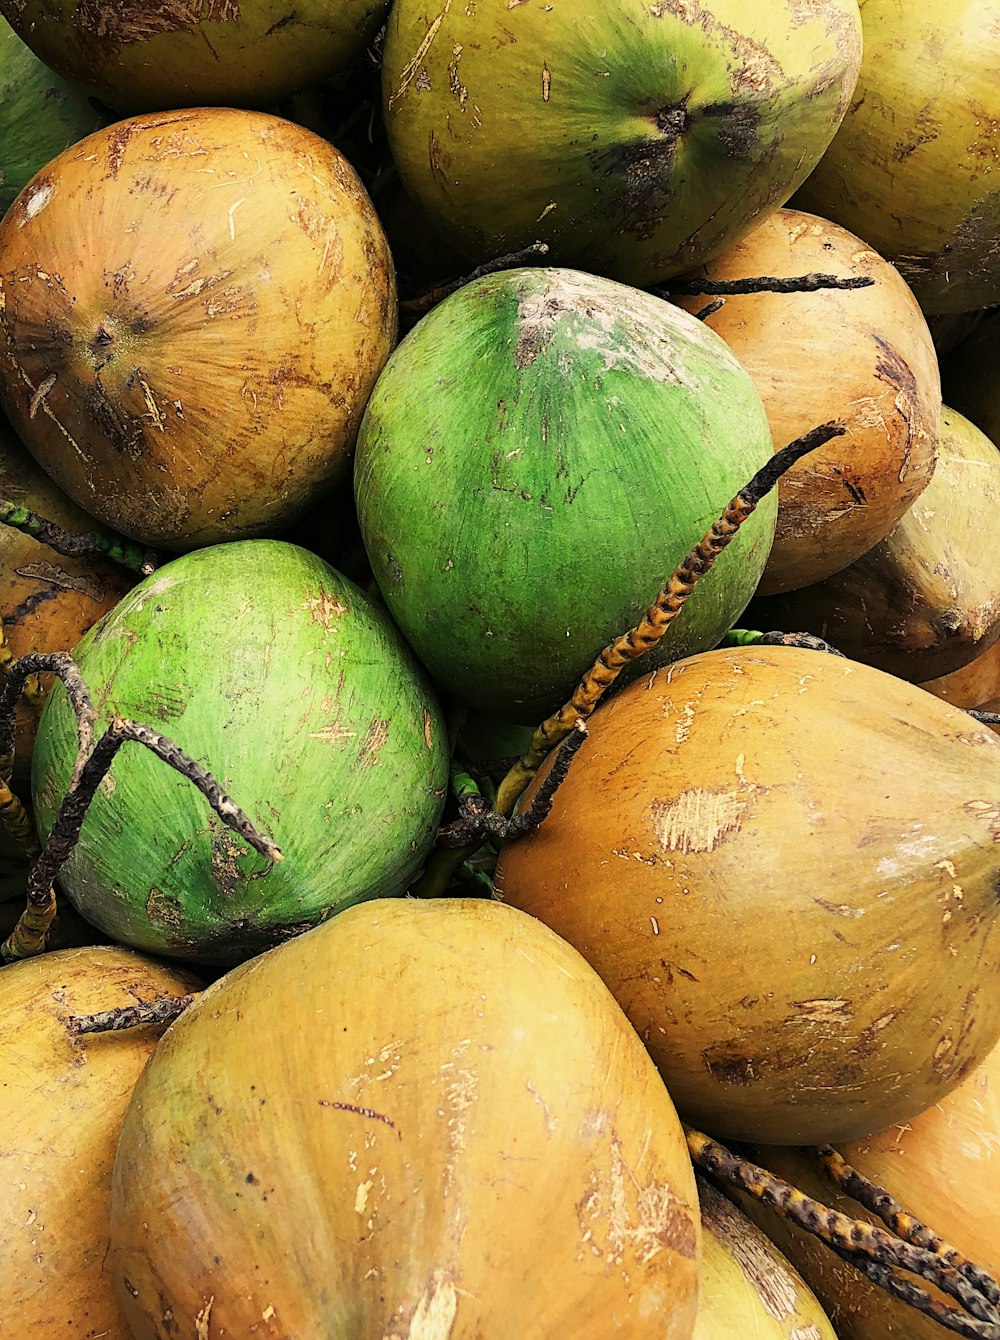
(745, 1286)
(975, 685)
(420, 1120)
(62, 1101)
(913, 167)
(861, 356)
(943, 1166)
(784, 865)
(194, 307)
(925, 600)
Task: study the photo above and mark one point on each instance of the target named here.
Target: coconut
(975, 685)
(943, 1165)
(296, 692)
(225, 52)
(912, 168)
(184, 351)
(538, 454)
(40, 115)
(423, 1119)
(869, 362)
(637, 139)
(62, 1101)
(783, 864)
(925, 601)
(745, 1286)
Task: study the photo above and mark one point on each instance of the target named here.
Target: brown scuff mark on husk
(776, 1289)
(375, 737)
(119, 24)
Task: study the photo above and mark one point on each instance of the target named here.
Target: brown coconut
(925, 601)
(194, 307)
(975, 685)
(784, 865)
(943, 1166)
(62, 1102)
(861, 356)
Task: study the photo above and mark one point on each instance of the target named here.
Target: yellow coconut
(912, 169)
(62, 1101)
(746, 1287)
(861, 356)
(420, 1120)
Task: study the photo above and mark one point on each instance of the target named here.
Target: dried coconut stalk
(142, 561)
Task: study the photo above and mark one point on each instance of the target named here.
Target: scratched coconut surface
(194, 307)
(637, 139)
(186, 53)
(296, 691)
(801, 967)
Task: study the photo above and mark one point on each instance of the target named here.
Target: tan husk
(975, 685)
(745, 1286)
(419, 1121)
(943, 1166)
(194, 307)
(925, 600)
(863, 356)
(784, 866)
(62, 1100)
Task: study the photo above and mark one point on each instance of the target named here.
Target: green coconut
(537, 456)
(636, 138)
(284, 680)
(40, 115)
(242, 53)
(912, 169)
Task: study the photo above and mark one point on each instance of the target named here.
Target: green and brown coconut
(296, 692)
(232, 53)
(636, 138)
(538, 454)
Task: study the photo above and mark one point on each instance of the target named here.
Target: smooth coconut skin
(864, 357)
(943, 1166)
(924, 601)
(194, 307)
(421, 1120)
(297, 693)
(40, 115)
(637, 139)
(62, 1102)
(784, 866)
(912, 169)
(141, 57)
(745, 1286)
(538, 454)
(975, 685)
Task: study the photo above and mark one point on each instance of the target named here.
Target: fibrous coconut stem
(811, 283)
(32, 688)
(18, 675)
(162, 1010)
(876, 1251)
(142, 561)
(28, 936)
(659, 616)
(423, 304)
(17, 823)
(901, 1222)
